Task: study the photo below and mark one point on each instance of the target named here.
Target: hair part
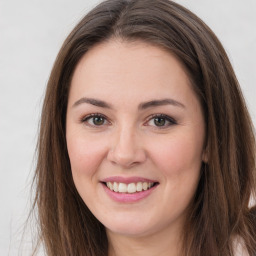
(219, 211)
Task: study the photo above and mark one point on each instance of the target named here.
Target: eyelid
(85, 119)
(171, 120)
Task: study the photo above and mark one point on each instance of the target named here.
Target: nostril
(126, 157)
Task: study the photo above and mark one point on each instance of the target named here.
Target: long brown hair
(219, 212)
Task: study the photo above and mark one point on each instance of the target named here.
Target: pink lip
(126, 197)
(127, 180)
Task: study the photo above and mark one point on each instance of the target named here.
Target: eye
(95, 120)
(161, 121)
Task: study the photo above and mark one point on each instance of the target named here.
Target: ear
(205, 155)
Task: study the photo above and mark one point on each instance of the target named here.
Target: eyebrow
(142, 106)
(156, 103)
(95, 102)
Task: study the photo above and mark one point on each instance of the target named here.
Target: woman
(146, 146)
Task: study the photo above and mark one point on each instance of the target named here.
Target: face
(135, 136)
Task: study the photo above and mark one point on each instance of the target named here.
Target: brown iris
(159, 121)
(98, 120)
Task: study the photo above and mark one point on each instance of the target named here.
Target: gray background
(31, 33)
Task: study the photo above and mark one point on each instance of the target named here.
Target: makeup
(128, 197)
(128, 189)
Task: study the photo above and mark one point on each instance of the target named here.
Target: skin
(130, 143)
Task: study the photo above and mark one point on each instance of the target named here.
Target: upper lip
(127, 180)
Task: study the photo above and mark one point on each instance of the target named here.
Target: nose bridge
(126, 140)
(127, 148)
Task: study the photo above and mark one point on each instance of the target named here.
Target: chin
(131, 227)
(129, 230)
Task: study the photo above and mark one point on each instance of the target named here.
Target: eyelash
(166, 118)
(91, 116)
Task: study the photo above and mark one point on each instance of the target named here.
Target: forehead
(128, 67)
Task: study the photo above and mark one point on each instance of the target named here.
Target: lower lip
(126, 197)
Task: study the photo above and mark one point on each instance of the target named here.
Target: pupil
(159, 121)
(98, 120)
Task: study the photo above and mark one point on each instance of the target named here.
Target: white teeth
(110, 185)
(129, 188)
(115, 187)
(139, 186)
(145, 185)
(122, 188)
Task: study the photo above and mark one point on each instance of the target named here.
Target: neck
(160, 244)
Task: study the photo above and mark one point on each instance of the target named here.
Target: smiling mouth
(130, 188)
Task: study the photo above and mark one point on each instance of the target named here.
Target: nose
(127, 149)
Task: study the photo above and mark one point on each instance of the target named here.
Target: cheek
(85, 155)
(178, 155)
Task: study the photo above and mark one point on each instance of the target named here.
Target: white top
(239, 247)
